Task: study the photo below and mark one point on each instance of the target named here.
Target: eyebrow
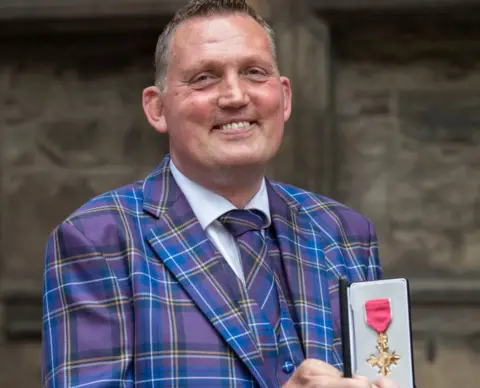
(214, 63)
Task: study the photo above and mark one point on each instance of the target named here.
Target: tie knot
(240, 221)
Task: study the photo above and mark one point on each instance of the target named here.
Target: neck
(239, 195)
(237, 184)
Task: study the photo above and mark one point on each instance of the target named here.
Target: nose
(233, 94)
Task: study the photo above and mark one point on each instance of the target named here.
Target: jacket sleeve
(87, 322)
(374, 269)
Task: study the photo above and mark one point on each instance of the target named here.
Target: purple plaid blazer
(134, 292)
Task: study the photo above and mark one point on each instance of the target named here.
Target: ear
(287, 97)
(152, 101)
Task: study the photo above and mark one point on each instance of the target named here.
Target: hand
(385, 382)
(318, 374)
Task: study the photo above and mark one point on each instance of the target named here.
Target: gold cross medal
(378, 314)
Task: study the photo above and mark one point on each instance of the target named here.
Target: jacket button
(288, 366)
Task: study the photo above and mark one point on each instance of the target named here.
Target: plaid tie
(246, 226)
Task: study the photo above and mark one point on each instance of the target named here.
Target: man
(206, 273)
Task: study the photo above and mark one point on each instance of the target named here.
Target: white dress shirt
(208, 206)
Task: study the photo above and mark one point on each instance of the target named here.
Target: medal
(378, 315)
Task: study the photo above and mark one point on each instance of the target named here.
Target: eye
(255, 73)
(202, 78)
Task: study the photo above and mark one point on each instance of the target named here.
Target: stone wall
(407, 102)
(72, 127)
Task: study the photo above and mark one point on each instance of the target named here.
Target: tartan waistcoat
(279, 342)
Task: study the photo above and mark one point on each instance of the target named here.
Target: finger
(332, 382)
(385, 382)
(365, 380)
(312, 367)
(361, 378)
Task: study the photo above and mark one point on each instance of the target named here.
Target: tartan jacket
(133, 291)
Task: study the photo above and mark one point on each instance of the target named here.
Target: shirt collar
(208, 206)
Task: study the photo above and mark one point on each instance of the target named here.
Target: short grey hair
(199, 8)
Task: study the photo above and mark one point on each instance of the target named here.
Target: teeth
(241, 124)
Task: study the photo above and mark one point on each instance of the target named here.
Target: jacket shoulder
(348, 237)
(127, 196)
(330, 211)
(106, 212)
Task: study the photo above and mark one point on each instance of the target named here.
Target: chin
(239, 161)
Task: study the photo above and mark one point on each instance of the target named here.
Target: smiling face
(225, 104)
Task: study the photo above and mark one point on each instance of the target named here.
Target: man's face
(225, 104)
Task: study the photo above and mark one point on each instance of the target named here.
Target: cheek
(269, 102)
(197, 109)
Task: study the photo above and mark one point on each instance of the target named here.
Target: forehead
(219, 35)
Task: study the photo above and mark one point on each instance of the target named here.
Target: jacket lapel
(305, 262)
(180, 242)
